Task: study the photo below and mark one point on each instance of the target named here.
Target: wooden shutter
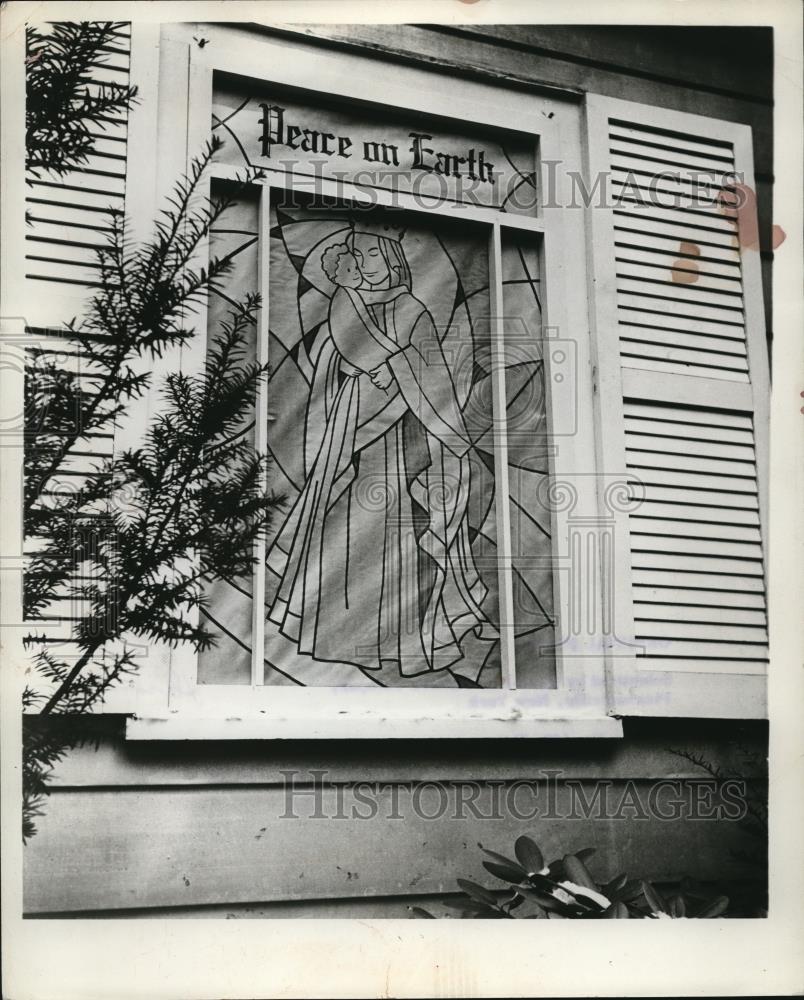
(682, 391)
(67, 219)
(68, 215)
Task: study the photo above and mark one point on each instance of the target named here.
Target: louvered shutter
(67, 219)
(682, 390)
(68, 215)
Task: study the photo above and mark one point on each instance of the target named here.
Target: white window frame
(182, 104)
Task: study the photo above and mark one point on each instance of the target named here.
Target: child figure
(358, 339)
(340, 266)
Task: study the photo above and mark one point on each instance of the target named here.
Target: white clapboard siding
(159, 835)
(682, 385)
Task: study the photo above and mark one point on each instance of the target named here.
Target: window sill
(354, 725)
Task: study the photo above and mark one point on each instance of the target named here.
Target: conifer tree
(133, 543)
(64, 106)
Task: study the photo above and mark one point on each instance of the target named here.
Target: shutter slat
(52, 269)
(670, 479)
(716, 226)
(60, 192)
(708, 633)
(707, 190)
(634, 188)
(648, 544)
(695, 562)
(81, 464)
(682, 433)
(644, 297)
(631, 313)
(669, 260)
(672, 142)
(757, 651)
(112, 70)
(639, 355)
(734, 349)
(660, 242)
(641, 489)
(65, 609)
(643, 441)
(63, 251)
(60, 231)
(676, 611)
(679, 580)
(715, 291)
(710, 462)
(109, 144)
(663, 160)
(97, 177)
(717, 601)
(682, 415)
(688, 664)
(111, 129)
(685, 230)
(680, 299)
(692, 529)
(676, 275)
(695, 512)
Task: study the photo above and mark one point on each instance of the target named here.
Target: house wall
(156, 829)
(231, 829)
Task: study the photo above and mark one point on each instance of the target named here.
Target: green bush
(564, 889)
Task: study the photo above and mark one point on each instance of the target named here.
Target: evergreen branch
(60, 107)
(194, 490)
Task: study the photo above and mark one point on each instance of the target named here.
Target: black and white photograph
(402, 486)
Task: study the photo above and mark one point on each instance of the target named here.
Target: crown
(374, 225)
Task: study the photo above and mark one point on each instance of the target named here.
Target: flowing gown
(373, 566)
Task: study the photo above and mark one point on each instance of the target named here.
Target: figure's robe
(373, 566)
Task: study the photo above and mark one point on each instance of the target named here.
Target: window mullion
(261, 438)
(503, 510)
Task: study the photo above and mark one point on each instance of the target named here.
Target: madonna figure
(373, 566)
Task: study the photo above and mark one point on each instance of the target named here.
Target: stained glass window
(382, 567)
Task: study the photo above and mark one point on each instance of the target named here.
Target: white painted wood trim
(13, 656)
(354, 77)
(501, 485)
(680, 121)
(243, 700)
(673, 694)
(197, 80)
(689, 390)
(12, 193)
(261, 434)
(268, 727)
(756, 340)
(171, 156)
(620, 648)
(573, 467)
(141, 179)
(397, 200)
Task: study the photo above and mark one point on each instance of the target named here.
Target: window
(523, 459)
(385, 566)
(412, 581)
